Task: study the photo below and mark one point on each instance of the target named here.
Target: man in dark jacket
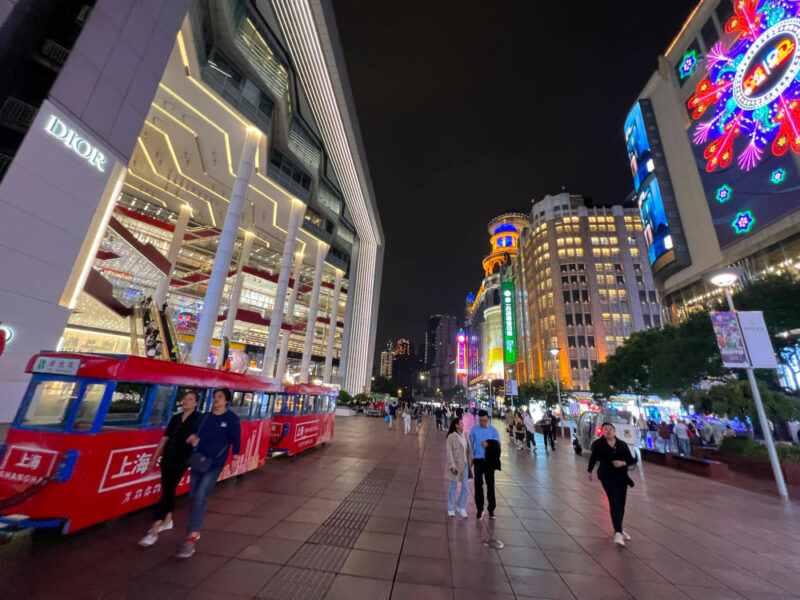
(483, 439)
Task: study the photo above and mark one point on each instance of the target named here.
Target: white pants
(407, 423)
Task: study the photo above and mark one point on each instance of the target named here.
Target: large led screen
(639, 154)
(654, 220)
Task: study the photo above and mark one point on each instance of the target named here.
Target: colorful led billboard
(509, 328)
(666, 246)
(748, 109)
(461, 353)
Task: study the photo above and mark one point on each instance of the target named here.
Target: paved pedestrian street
(365, 517)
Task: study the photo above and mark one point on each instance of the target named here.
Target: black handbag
(200, 463)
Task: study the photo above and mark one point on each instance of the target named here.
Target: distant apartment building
(440, 351)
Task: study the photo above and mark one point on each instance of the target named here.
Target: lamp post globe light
(726, 279)
(555, 350)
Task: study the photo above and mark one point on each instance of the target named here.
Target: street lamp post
(726, 279)
(555, 351)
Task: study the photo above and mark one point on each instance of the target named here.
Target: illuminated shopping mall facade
(203, 153)
(715, 156)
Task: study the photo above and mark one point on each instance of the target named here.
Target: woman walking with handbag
(212, 436)
(174, 451)
(614, 457)
(459, 459)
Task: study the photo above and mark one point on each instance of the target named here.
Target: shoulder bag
(200, 463)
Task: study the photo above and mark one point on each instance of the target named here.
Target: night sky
(469, 109)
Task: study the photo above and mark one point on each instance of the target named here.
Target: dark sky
(472, 108)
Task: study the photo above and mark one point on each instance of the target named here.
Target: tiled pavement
(365, 518)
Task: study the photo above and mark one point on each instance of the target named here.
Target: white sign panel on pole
(511, 387)
(757, 340)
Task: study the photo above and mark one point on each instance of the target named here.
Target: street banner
(757, 340)
(730, 340)
(511, 387)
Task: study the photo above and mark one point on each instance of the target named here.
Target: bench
(654, 456)
(701, 466)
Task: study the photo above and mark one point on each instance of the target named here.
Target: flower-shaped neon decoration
(688, 64)
(749, 100)
(723, 193)
(743, 222)
(777, 176)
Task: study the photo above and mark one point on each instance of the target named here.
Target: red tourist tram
(303, 418)
(89, 424)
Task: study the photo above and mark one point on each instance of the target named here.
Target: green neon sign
(509, 329)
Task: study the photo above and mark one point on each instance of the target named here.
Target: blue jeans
(200, 486)
(462, 497)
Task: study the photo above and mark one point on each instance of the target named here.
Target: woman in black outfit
(614, 458)
(174, 452)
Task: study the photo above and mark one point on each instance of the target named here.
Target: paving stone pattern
(365, 517)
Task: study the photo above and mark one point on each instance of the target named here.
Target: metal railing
(55, 53)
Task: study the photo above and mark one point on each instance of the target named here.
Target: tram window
(289, 404)
(241, 403)
(162, 402)
(272, 399)
(182, 391)
(127, 405)
(278, 404)
(321, 405)
(87, 410)
(50, 402)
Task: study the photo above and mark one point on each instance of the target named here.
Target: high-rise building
(714, 153)
(440, 351)
(402, 347)
(485, 320)
(387, 356)
(581, 283)
(204, 152)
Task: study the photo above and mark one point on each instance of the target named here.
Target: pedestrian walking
(445, 415)
(460, 412)
(614, 457)
(510, 423)
(212, 436)
(417, 416)
(519, 430)
(530, 431)
(174, 451)
(407, 420)
(480, 438)
(548, 430)
(665, 433)
(392, 414)
(438, 414)
(459, 459)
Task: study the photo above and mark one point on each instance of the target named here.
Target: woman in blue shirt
(214, 433)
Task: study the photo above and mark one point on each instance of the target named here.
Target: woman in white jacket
(459, 459)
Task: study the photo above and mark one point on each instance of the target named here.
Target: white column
(276, 318)
(280, 372)
(344, 352)
(236, 292)
(222, 260)
(172, 254)
(334, 317)
(322, 251)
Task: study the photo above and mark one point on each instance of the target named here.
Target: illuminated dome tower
(505, 231)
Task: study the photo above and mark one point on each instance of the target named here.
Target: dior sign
(76, 142)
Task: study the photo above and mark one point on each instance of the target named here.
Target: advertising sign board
(730, 340)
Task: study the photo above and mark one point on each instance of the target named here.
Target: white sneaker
(618, 539)
(148, 540)
(626, 535)
(462, 512)
(166, 527)
(450, 513)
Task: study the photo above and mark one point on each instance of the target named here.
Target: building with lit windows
(714, 152)
(582, 284)
(387, 357)
(485, 326)
(440, 351)
(402, 347)
(205, 154)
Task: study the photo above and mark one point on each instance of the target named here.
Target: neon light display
(743, 222)
(723, 193)
(461, 353)
(688, 64)
(509, 328)
(753, 87)
(777, 176)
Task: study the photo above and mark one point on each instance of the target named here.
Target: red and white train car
(303, 418)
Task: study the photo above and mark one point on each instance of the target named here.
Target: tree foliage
(456, 392)
(543, 390)
(344, 398)
(776, 296)
(383, 385)
(361, 398)
(668, 361)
